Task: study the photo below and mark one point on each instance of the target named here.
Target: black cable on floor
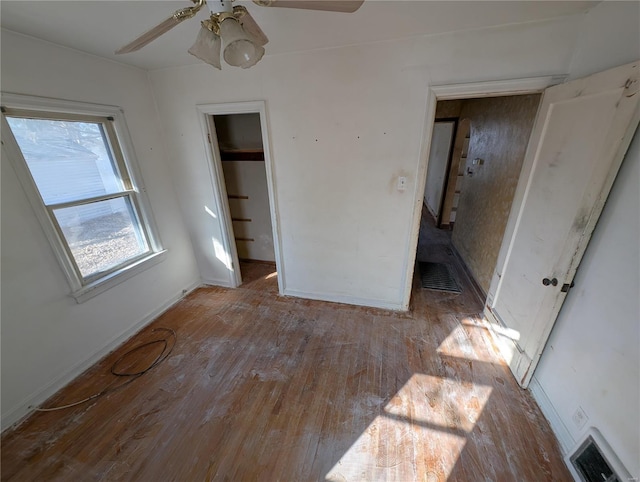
(162, 356)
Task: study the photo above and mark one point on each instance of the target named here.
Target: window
(82, 184)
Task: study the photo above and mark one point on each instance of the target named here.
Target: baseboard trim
(18, 414)
(345, 299)
(566, 440)
(217, 282)
(479, 292)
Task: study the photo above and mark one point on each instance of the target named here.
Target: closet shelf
(242, 154)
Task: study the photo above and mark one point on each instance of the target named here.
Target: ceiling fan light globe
(207, 48)
(238, 47)
(256, 58)
(240, 52)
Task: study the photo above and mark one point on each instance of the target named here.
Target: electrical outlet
(402, 183)
(579, 418)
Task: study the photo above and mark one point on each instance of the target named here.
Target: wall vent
(594, 461)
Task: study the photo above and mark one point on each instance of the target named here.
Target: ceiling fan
(233, 27)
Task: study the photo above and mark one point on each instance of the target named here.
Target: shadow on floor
(265, 387)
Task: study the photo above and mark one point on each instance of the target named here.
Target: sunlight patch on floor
(422, 429)
(509, 333)
(461, 345)
(388, 447)
(272, 275)
(439, 403)
(504, 338)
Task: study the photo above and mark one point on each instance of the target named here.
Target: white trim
(135, 177)
(63, 106)
(345, 299)
(418, 197)
(450, 92)
(497, 88)
(216, 282)
(506, 345)
(109, 281)
(24, 408)
(560, 430)
(205, 111)
(216, 174)
(137, 194)
(31, 191)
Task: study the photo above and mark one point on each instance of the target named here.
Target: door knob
(547, 282)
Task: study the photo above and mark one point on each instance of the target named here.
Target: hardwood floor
(262, 387)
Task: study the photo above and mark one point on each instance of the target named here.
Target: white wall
(344, 124)
(47, 338)
(592, 359)
(609, 37)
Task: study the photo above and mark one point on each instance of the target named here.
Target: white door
(441, 140)
(577, 144)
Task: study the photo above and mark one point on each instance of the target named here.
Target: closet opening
(242, 158)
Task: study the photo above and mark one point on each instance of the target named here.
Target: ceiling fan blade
(149, 36)
(163, 27)
(251, 27)
(345, 6)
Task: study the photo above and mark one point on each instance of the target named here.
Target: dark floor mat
(438, 276)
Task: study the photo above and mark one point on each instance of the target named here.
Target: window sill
(112, 279)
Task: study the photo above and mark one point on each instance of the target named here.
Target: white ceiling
(100, 27)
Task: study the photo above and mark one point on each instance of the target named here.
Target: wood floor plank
(263, 387)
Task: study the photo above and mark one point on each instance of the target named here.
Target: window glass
(102, 235)
(86, 190)
(68, 160)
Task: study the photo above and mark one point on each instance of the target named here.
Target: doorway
(460, 92)
(473, 182)
(242, 157)
(581, 133)
(243, 182)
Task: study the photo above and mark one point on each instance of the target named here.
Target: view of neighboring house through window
(76, 163)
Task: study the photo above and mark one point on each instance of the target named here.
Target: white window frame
(117, 136)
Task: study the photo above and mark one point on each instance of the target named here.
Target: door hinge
(209, 137)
